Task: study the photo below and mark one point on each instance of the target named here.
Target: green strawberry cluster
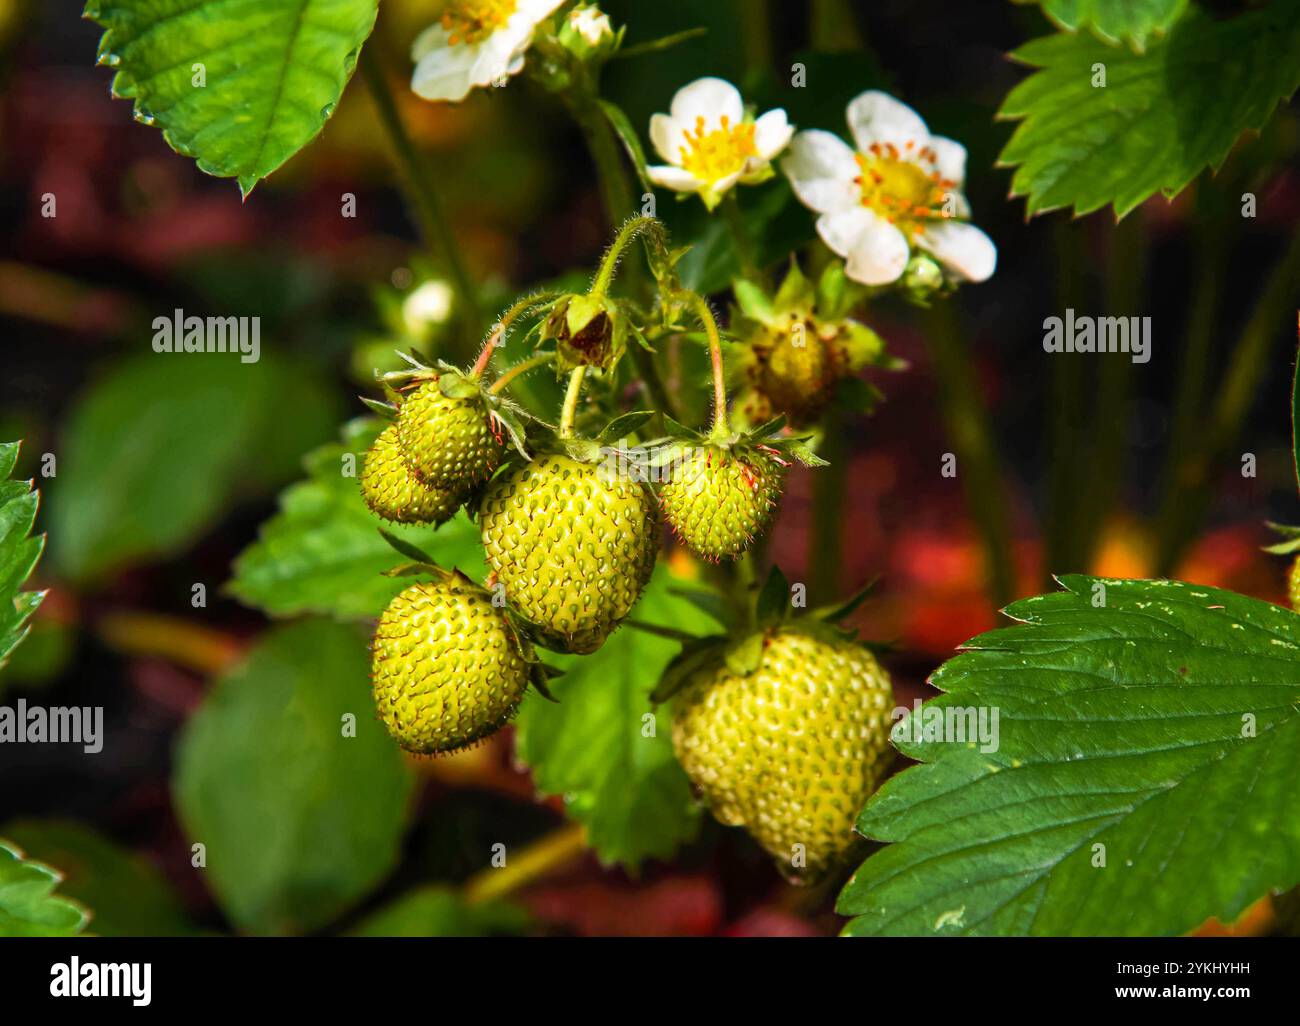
(446, 439)
(782, 726)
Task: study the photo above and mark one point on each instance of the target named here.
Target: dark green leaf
(298, 820)
(323, 553)
(603, 747)
(18, 552)
(28, 905)
(163, 446)
(238, 85)
(1160, 119)
(1132, 22)
(1154, 723)
(130, 898)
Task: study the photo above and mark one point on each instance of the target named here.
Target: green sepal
(694, 655)
(744, 655)
(796, 294)
(455, 385)
(539, 673)
(838, 611)
(386, 410)
(774, 598)
(1290, 539)
(412, 552)
(753, 302)
(624, 426)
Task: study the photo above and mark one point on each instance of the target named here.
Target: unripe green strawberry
(392, 490)
(800, 372)
(447, 670)
(1294, 581)
(718, 498)
(448, 442)
(792, 751)
(573, 543)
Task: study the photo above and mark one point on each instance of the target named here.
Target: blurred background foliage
(173, 472)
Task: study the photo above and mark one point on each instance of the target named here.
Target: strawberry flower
(475, 43)
(710, 143)
(897, 189)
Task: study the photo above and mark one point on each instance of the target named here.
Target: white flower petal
(876, 251)
(949, 159)
(711, 99)
(772, 133)
(876, 117)
(668, 137)
(673, 178)
(536, 10)
(822, 169)
(447, 73)
(962, 248)
(433, 38)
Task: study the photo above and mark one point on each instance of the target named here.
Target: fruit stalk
(571, 401)
(630, 229)
(523, 367)
(700, 308)
(535, 861)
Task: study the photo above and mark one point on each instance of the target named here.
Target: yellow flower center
(898, 186)
(472, 21)
(710, 156)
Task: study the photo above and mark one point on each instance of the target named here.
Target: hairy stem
(525, 867)
(434, 225)
(704, 314)
(629, 230)
(523, 367)
(571, 400)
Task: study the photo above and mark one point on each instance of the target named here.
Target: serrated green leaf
(162, 447)
(271, 73)
(1131, 22)
(438, 911)
(299, 820)
(19, 552)
(130, 898)
(28, 905)
(323, 553)
(1156, 719)
(1161, 118)
(592, 747)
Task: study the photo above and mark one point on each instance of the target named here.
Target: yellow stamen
(908, 191)
(472, 21)
(711, 156)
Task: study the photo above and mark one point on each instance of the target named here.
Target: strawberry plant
(573, 500)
